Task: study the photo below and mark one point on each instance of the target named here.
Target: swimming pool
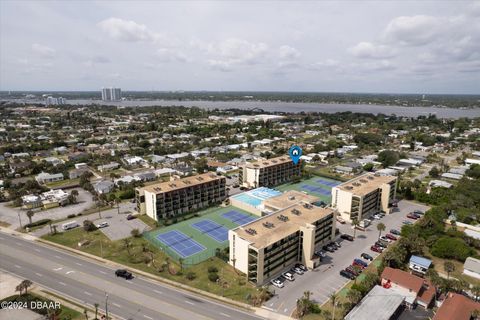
(244, 197)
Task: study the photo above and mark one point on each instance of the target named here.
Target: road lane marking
(18, 267)
(78, 264)
(58, 269)
(225, 315)
(38, 274)
(145, 316)
(37, 250)
(62, 283)
(68, 272)
(116, 305)
(19, 244)
(87, 293)
(58, 257)
(189, 302)
(102, 272)
(159, 292)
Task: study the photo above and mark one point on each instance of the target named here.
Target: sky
(342, 46)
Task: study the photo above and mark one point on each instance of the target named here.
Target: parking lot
(325, 279)
(119, 227)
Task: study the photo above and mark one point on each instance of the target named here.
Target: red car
(352, 271)
(361, 266)
(376, 249)
(391, 237)
(412, 216)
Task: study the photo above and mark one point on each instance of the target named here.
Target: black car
(366, 256)
(124, 274)
(328, 248)
(346, 274)
(380, 244)
(395, 232)
(346, 237)
(301, 267)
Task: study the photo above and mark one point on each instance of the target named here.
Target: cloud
(233, 52)
(288, 53)
(329, 63)
(127, 30)
(170, 55)
(95, 60)
(368, 50)
(414, 30)
(43, 51)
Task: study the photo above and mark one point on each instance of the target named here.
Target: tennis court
(179, 242)
(317, 186)
(197, 239)
(212, 229)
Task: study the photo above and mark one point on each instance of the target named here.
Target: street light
(19, 220)
(106, 305)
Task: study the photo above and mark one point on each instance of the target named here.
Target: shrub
(71, 215)
(452, 248)
(79, 214)
(212, 269)
(191, 275)
(212, 276)
(89, 226)
(135, 233)
(37, 223)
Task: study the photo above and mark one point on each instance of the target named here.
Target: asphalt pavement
(87, 282)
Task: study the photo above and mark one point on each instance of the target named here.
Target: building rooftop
(456, 306)
(182, 183)
(289, 199)
(268, 163)
(276, 226)
(421, 261)
(368, 308)
(403, 279)
(472, 264)
(365, 184)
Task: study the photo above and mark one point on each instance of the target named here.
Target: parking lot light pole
(19, 219)
(106, 305)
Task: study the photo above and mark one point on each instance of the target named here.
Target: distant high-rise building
(111, 94)
(51, 101)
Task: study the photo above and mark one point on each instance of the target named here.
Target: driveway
(11, 215)
(325, 279)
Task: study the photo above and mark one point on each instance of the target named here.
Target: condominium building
(265, 248)
(364, 196)
(268, 173)
(172, 198)
(111, 94)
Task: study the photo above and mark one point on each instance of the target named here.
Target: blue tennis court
(238, 217)
(315, 189)
(214, 230)
(180, 243)
(328, 183)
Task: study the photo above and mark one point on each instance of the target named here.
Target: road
(325, 279)
(87, 282)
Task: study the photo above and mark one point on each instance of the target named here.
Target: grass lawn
(235, 286)
(63, 183)
(65, 312)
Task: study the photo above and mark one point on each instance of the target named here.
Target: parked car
(301, 266)
(124, 274)
(418, 212)
(347, 274)
(328, 248)
(376, 249)
(347, 237)
(360, 262)
(336, 244)
(395, 232)
(377, 217)
(381, 244)
(391, 237)
(103, 224)
(352, 271)
(386, 239)
(366, 256)
(406, 222)
(341, 220)
(297, 270)
(413, 216)
(277, 283)
(130, 217)
(289, 276)
(395, 203)
(321, 254)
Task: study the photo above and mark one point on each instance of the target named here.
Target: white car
(297, 270)
(289, 276)
(377, 217)
(102, 225)
(384, 238)
(277, 283)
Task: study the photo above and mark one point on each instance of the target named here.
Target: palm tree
(117, 202)
(24, 285)
(180, 261)
(127, 243)
(74, 195)
(355, 224)
(380, 227)
(30, 214)
(449, 267)
(334, 298)
(354, 296)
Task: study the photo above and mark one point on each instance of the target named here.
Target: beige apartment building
(172, 198)
(267, 173)
(265, 248)
(364, 196)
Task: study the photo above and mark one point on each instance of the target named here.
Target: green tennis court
(197, 239)
(316, 186)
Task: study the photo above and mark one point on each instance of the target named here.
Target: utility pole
(19, 220)
(106, 305)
